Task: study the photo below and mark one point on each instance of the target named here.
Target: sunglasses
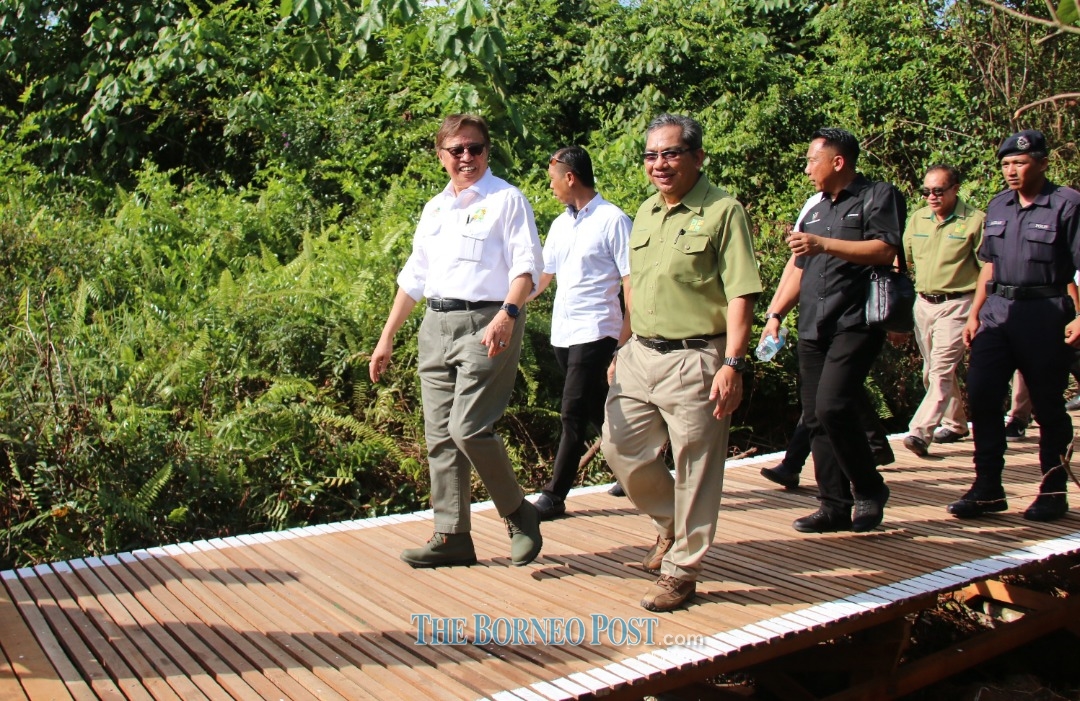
(473, 149)
(935, 191)
(670, 154)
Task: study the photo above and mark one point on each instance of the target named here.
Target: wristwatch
(738, 364)
(511, 310)
(773, 315)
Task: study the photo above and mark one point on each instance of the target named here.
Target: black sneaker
(781, 475)
(1014, 430)
(550, 506)
(947, 435)
(979, 500)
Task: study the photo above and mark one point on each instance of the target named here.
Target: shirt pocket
(993, 240)
(639, 248)
(471, 242)
(1039, 240)
(693, 260)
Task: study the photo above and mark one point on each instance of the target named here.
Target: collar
(694, 200)
(960, 211)
(484, 186)
(1040, 200)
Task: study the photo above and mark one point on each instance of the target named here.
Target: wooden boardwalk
(330, 612)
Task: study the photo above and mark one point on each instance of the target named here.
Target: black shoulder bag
(890, 293)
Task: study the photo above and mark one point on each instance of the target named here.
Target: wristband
(773, 315)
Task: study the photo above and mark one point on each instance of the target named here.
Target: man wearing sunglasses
(1022, 318)
(941, 241)
(694, 281)
(475, 257)
(587, 251)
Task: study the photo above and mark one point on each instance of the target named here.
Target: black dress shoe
(979, 501)
(616, 490)
(1047, 507)
(822, 522)
(781, 475)
(883, 455)
(870, 512)
(917, 445)
(550, 506)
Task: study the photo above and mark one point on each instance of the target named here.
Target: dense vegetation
(203, 206)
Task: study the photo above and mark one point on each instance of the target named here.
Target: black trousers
(834, 370)
(584, 395)
(1024, 335)
(798, 447)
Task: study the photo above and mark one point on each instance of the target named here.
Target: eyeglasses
(670, 154)
(473, 149)
(935, 191)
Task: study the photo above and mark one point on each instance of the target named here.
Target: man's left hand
(726, 391)
(498, 333)
(1072, 333)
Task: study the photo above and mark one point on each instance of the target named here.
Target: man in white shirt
(588, 249)
(475, 258)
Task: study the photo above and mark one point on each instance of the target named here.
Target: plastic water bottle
(768, 348)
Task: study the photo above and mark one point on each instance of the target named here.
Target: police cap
(1027, 141)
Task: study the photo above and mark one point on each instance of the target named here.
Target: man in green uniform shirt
(942, 240)
(694, 280)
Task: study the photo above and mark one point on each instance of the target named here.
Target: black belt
(442, 304)
(1026, 292)
(663, 345)
(943, 297)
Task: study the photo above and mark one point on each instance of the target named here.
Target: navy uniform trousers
(1026, 335)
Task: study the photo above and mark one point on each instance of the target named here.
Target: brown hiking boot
(655, 556)
(668, 593)
(443, 550)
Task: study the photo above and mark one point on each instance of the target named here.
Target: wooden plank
(25, 670)
(66, 622)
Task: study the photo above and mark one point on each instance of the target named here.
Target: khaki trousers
(656, 398)
(939, 332)
(464, 394)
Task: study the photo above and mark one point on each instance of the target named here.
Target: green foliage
(203, 206)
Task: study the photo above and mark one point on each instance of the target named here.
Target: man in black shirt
(856, 225)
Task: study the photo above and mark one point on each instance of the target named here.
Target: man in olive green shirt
(941, 240)
(694, 280)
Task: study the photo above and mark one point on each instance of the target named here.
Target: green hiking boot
(524, 528)
(443, 550)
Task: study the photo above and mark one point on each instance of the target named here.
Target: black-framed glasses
(670, 154)
(935, 191)
(473, 149)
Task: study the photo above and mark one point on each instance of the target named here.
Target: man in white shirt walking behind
(588, 249)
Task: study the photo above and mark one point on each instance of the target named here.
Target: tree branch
(1052, 98)
(1054, 23)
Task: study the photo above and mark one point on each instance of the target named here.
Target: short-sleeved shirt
(589, 253)
(832, 295)
(1031, 246)
(472, 244)
(687, 261)
(945, 252)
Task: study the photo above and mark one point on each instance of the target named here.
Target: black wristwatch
(511, 310)
(738, 364)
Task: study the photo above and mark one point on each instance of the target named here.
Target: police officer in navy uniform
(1022, 318)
